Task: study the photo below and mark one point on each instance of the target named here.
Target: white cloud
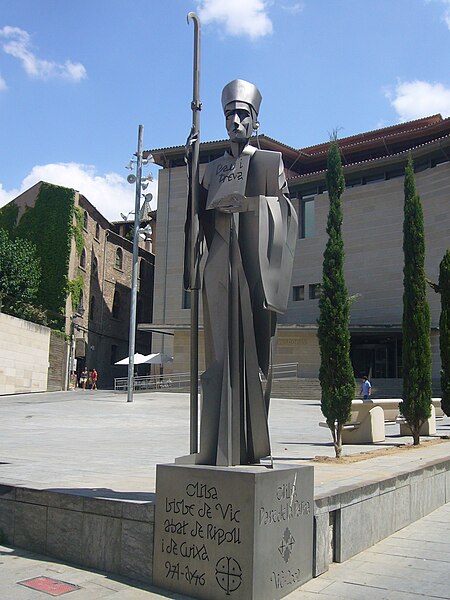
(446, 16)
(295, 8)
(240, 17)
(17, 43)
(111, 194)
(415, 99)
(3, 85)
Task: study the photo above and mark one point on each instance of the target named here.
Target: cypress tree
(336, 376)
(416, 405)
(444, 331)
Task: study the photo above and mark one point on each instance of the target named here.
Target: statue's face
(239, 121)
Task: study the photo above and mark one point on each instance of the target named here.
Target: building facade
(96, 272)
(374, 165)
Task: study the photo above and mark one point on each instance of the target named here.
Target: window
(113, 358)
(83, 259)
(307, 228)
(298, 293)
(141, 269)
(92, 308)
(97, 231)
(116, 305)
(85, 220)
(119, 258)
(186, 299)
(139, 311)
(94, 266)
(315, 291)
(374, 178)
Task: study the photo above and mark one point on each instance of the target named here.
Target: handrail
(182, 380)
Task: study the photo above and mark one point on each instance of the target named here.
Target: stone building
(374, 165)
(95, 262)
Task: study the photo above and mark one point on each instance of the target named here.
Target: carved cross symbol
(286, 545)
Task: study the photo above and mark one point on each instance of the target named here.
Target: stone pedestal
(242, 532)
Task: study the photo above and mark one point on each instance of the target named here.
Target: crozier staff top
(240, 90)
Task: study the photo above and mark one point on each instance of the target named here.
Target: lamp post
(138, 179)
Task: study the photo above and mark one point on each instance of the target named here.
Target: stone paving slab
(401, 567)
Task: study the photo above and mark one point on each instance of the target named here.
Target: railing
(182, 380)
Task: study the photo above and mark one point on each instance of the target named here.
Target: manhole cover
(52, 587)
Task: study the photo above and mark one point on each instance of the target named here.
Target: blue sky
(77, 78)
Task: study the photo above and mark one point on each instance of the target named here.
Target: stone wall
(24, 353)
(110, 535)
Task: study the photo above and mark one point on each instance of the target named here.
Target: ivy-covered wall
(49, 225)
(8, 217)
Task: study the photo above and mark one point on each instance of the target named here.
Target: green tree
(443, 288)
(444, 331)
(416, 405)
(336, 373)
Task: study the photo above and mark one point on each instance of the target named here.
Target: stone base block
(242, 532)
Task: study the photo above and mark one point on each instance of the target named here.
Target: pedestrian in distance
(366, 388)
(94, 377)
(84, 378)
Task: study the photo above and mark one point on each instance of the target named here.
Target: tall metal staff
(192, 275)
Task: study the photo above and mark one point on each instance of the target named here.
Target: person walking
(84, 378)
(366, 388)
(94, 377)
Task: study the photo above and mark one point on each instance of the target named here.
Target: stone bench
(436, 402)
(366, 425)
(428, 428)
(390, 408)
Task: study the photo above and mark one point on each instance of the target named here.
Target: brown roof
(380, 143)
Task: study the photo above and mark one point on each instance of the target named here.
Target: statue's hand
(236, 203)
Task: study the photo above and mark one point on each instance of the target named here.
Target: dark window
(119, 258)
(116, 305)
(113, 354)
(315, 291)
(92, 308)
(353, 182)
(83, 259)
(97, 231)
(298, 293)
(396, 173)
(85, 220)
(307, 225)
(94, 266)
(139, 311)
(374, 178)
(186, 299)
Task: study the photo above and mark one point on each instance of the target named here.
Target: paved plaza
(97, 444)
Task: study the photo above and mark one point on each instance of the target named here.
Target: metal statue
(250, 229)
